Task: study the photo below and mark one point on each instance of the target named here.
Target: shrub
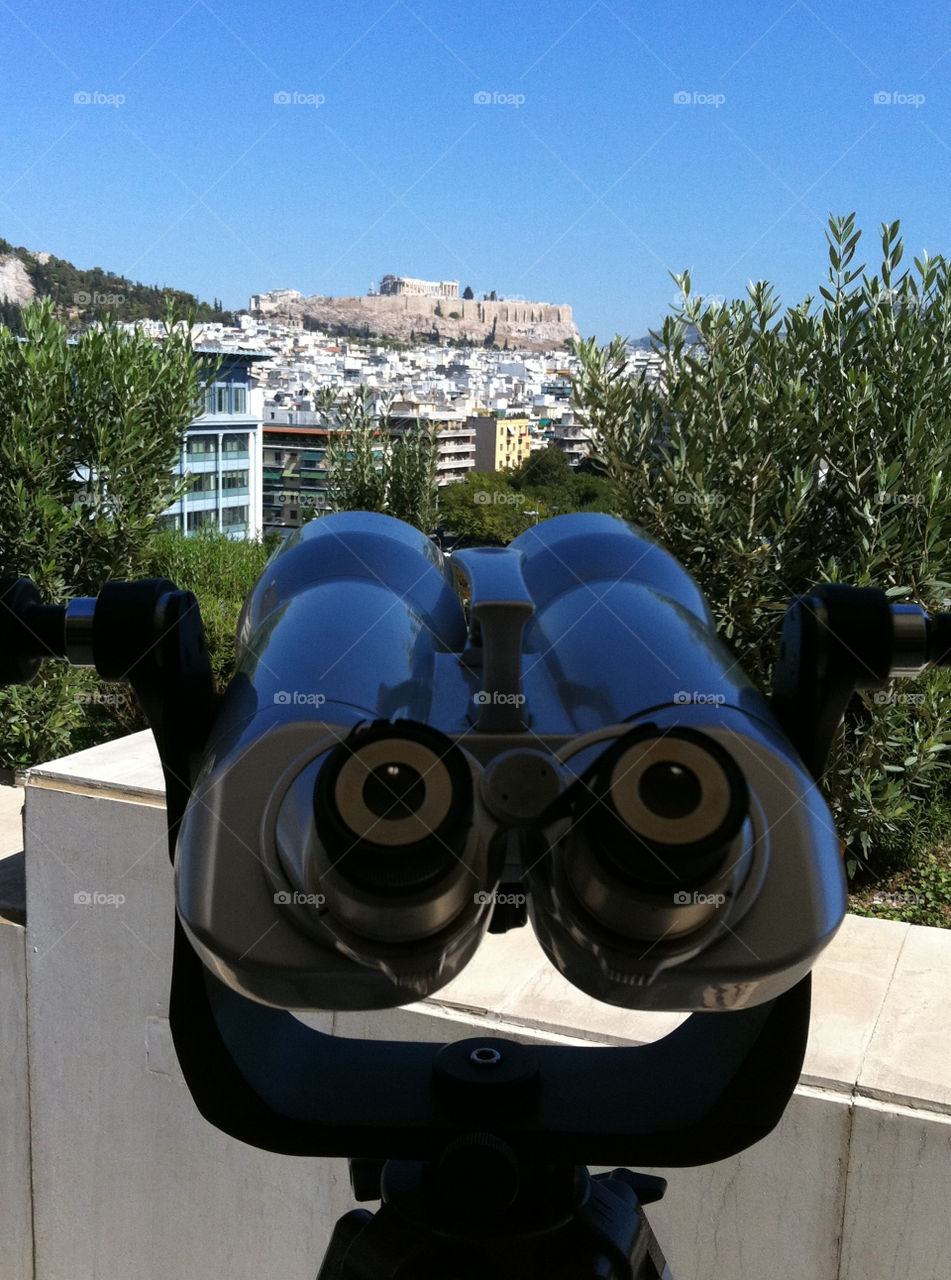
(221, 572)
(778, 450)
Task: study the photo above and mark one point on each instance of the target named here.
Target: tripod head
(386, 779)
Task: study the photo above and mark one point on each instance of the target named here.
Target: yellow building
(500, 442)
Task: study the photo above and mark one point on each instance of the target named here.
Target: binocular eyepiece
(385, 772)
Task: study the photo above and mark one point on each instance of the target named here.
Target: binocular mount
(423, 768)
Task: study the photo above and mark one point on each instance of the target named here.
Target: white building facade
(222, 453)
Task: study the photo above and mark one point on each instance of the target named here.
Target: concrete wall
(16, 1225)
(129, 1181)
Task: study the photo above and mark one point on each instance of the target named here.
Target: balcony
(109, 1171)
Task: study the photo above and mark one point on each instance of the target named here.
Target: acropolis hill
(405, 307)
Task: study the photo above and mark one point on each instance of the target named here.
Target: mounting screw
(485, 1057)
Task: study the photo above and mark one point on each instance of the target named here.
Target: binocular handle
(499, 608)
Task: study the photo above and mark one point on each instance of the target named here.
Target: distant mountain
(85, 295)
(646, 343)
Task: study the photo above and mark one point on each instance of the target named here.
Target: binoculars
(407, 758)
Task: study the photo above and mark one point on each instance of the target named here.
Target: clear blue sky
(582, 180)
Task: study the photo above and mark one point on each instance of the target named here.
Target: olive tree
(772, 449)
(90, 430)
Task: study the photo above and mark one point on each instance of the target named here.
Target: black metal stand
(477, 1214)
(491, 1137)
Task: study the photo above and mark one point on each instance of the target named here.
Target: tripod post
(477, 1212)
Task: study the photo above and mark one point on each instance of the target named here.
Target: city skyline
(577, 154)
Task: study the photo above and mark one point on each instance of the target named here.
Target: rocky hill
(85, 294)
(532, 326)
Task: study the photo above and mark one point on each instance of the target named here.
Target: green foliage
(484, 506)
(369, 470)
(781, 449)
(411, 490)
(89, 433)
(502, 504)
(45, 720)
(90, 294)
(221, 572)
(354, 460)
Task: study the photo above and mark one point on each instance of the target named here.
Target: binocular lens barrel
(389, 805)
(666, 806)
(393, 809)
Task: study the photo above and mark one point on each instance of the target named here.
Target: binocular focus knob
(667, 805)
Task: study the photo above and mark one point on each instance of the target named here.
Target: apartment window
(239, 400)
(222, 398)
(200, 520)
(234, 480)
(235, 443)
(231, 516)
(204, 483)
(202, 444)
